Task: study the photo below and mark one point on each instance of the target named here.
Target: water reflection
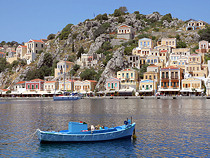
(164, 128)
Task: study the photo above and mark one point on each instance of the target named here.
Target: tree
(81, 51)
(51, 36)
(48, 59)
(102, 29)
(88, 74)
(3, 64)
(167, 17)
(143, 70)
(205, 34)
(117, 13)
(123, 9)
(65, 32)
(72, 49)
(181, 44)
(121, 19)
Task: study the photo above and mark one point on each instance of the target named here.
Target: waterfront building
(35, 85)
(2, 55)
(191, 86)
(125, 32)
(147, 87)
(86, 86)
(21, 51)
(195, 25)
(128, 78)
(20, 87)
(170, 80)
(67, 86)
(33, 47)
(51, 86)
(63, 66)
(3, 91)
(112, 84)
(208, 86)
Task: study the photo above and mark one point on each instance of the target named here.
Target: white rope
(30, 136)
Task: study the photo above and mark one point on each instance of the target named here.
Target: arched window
(148, 61)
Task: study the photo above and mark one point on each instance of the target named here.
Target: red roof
(36, 80)
(91, 80)
(170, 67)
(21, 82)
(37, 41)
(50, 81)
(163, 51)
(4, 90)
(22, 46)
(2, 53)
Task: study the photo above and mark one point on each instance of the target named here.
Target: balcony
(176, 77)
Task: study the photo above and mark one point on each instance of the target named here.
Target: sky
(22, 20)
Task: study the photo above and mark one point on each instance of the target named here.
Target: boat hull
(46, 137)
(65, 98)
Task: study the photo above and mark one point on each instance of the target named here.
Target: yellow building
(21, 51)
(67, 86)
(147, 87)
(63, 66)
(167, 42)
(191, 86)
(151, 75)
(86, 86)
(128, 78)
(195, 25)
(51, 86)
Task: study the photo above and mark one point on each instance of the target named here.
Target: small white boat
(78, 132)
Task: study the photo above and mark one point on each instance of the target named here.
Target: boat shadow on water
(119, 144)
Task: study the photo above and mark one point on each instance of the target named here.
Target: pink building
(112, 84)
(36, 84)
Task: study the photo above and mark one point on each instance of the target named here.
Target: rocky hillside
(93, 34)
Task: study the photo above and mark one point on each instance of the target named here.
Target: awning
(168, 90)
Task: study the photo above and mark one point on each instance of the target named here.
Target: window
(36, 86)
(144, 44)
(28, 86)
(109, 85)
(150, 77)
(112, 85)
(197, 68)
(42, 45)
(32, 86)
(122, 74)
(148, 44)
(131, 75)
(145, 76)
(115, 85)
(150, 86)
(36, 51)
(127, 75)
(142, 86)
(36, 44)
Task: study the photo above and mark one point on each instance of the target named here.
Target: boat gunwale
(68, 134)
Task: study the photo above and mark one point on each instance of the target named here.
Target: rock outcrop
(116, 63)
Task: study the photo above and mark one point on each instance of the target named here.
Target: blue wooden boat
(66, 97)
(78, 132)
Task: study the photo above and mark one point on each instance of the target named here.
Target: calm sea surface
(164, 128)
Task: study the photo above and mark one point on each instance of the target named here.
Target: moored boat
(72, 96)
(78, 132)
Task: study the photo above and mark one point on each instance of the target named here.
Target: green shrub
(136, 12)
(74, 36)
(51, 36)
(102, 29)
(205, 34)
(81, 51)
(167, 17)
(117, 13)
(181, 44)
(65, 32)
(88, 74)
(121, 19)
